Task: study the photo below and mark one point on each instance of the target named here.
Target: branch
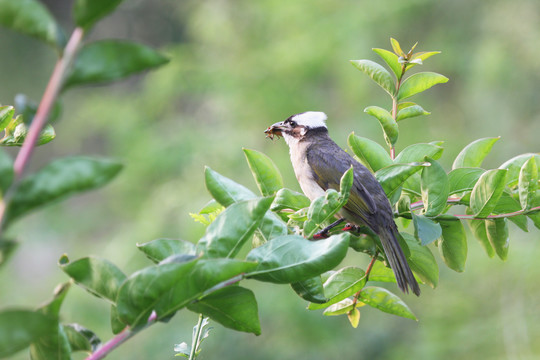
(47, 101)
(368, 271)
(419, 204)
(119, 339)
(128, 333)
(42, 114)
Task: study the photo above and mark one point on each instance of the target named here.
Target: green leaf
(233, 227)
(393, 176)
(19, 328)
(27, 108)
(514, 166)
(227, 192)
(87, 12)
(98, 276)
(58, 180)
(435, 187)
(473, 154)
(291, 258)
(311, 290)
(453, 245)
(497, 233)
(411, 111)
(208, 213)
(265, 172)
(326, 206)
(478, 228)
(419, 57)
(396, 47)
(31, 17)
(354, 317)
(288, 199)
(370, 153)
(344, 283)
(377, 73)
(404, 104)
(419, 82)
(17, 137)
(52, 307)
(81, 339)
(234, 307)
(109, 60)
(426, 230)
(384, 300)
(487, 191)
(271, 227)
(160, 249)
(381, 273)
(7, 247)
(55, 344)
(117, 325)
(6, 172)
(417, 153)
(463, 179)
(535, 217)
(389, 125)
(168, 287)
(528, 183)
(364, 244)
(340, 308)
(346, 183)
(421, 261)
(423, 55)
(6, 114)
(391, 60)
(507, 204)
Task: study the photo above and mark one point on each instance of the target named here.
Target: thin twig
(42, 114)
(112, 344)
(368, 271)
(195, 339)
(47, 102)
(419, 204)
(371, 263)
(119, 339)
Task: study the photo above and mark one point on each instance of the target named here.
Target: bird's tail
(397, 260)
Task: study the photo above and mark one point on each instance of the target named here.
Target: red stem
(111, 344)
(47, 101)
(420, 204)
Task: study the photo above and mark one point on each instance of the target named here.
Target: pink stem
(118, 340)
(419, 204)
(111, 344)
(47, 101)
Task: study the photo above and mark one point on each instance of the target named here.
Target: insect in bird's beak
(273, 130)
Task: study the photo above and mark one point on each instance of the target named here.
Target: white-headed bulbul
(319, 163)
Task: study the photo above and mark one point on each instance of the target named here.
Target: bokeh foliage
(237, 67)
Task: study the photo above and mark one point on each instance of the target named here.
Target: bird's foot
(321, 235)
(351, 228)
(325, 233)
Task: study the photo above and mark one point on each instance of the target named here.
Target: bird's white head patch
(310, 119)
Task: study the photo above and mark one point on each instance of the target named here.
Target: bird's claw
(350, 227)
(321, 235)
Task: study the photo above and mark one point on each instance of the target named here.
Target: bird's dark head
(298, 126)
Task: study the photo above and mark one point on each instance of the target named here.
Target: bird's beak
(274, 130)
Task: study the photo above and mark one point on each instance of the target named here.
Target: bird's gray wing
(329, 162)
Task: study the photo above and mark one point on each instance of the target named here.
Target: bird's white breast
(302, 170)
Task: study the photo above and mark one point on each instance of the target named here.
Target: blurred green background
(237, 67)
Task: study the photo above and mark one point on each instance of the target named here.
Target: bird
(319, 164)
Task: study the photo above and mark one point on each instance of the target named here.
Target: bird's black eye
(293, 123)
